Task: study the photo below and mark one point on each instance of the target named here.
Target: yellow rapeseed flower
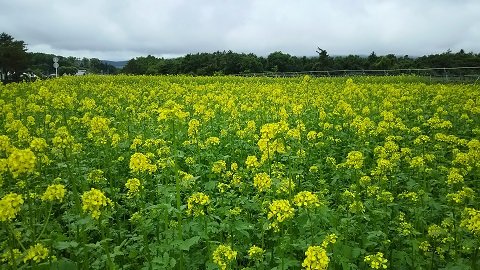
(62, 138)
(133, 185)
(376, 261)
(96, 176)
(425, 246)
(10, 206)
(38, 145)
(224, 255)
(256, 253)
(354, 160)
(286, 186)
(357, 207)
(36, 253)
(329, 239)
(7, 256)
(435, 231)
(98, 125)
(94, 202)
(212, 141)
(189, 161)
(279, 211)
(454, 176)
(417, 162)
(471, 220)
(5, 145)
(193, 126)
(196, 204)
(21, 161)
(140, 163)
(54, 192)
(315, 258)
(262, 181)
(219, 166)
(252, 162)
(306, 199)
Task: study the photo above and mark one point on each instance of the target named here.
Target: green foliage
(13, 57)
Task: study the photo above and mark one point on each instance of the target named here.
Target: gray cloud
(123, 29)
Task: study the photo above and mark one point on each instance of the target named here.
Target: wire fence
(456, 73)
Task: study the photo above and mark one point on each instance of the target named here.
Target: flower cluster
(357, 207)
(315, 258)
(252, 162)
(187, 180)
(133, 185)
(5, 144)
(193, 126)
(98, 125)
(287, 185)
(21, 161)
(461, 196)
(329, 239)
(306, 199)
(376, 261)
(54, 192)
(256, 253)
(435, 231)
(224, 255)
(454, 176)
(94, 202)
(171, 111)
(36, 253)
(219, 166)
(425, 246)
(196, 204)
(354, 160)
(63, 139)
(471, 220)
(7, 256)
(140, 163)
(279, 211)
(10, 206)
(262, 181)
(38, 145)
(212, 141)
(96, 176)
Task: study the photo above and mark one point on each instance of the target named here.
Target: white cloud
(123, 29)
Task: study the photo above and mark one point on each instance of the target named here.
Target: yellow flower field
(178, 172)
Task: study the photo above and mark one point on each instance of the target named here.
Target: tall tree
(325, 62)
(13, 57)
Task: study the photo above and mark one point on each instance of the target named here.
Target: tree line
(15, 61)
(226, 63)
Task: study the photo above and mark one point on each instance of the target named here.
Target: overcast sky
(125, 29)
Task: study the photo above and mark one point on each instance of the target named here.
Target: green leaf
(61, 245)
(63, 264)
(357, 251)
(211, 185)
(186, 244)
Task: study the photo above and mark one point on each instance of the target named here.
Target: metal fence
(457, 73)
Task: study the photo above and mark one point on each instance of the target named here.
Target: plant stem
(12, 253)
(9, 227)
(71, 179)
(311, 227)
(177, 185)
(46, 223)
(105, 245)
(207, 238)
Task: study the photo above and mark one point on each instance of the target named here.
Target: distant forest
(16, 62)
(227, 63)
